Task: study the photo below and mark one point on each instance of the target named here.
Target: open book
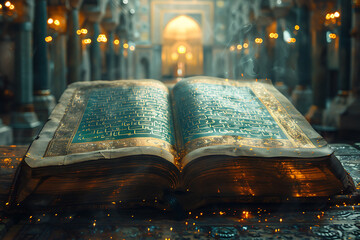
(209, 139)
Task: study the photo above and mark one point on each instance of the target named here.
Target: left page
(106, 120)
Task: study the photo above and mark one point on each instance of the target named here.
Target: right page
(244, 137)
(248, 114)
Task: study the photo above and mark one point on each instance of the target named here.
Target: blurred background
(310, 49)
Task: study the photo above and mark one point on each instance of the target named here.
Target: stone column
(302, 95)
(262, 55)
(44, 101)
(232, 61)
(345, 47)
(241, 56)
(319, 63)
(280, 52)
(208, 59)
(355, 50)
(110, 56)
(280, 10)
(131, 60)
(349, 121)
(332, 116)
(59, 82)
(6, 136)
(58, 51)
(264, 19)
(121, 59)
(95, 53)
(73, 44)
(109, 22)
(155, 65)
(24, 121)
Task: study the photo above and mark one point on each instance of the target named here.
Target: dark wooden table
(339, 220)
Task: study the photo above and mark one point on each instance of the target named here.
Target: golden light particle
(181, 49)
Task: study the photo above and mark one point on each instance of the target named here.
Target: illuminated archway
(182, 45)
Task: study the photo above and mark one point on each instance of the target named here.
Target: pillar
(208, 59)
(110, 57)
(6, 136)
(120, 63)
(233, 62)
(25, 123)
(59, 82)
(131, 68)
(263, 62)
(155, 65)
(95, 53)
(333, 115)
(355, 50)
(345, 47)
(73, 46)
(44, 101)
(349, 120)
(281, 51)
(302, 95)
(319, 63)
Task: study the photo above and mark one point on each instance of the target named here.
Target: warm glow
(181, 49)
(7, 4)
(246, 45)
(132, 48)
(57, 22)
(86, 41)
(274, 35)
(332, 35)
(0, 6)
(102, 38)
(126, 46)
(174, 56)
(116, 42)
(50, 21)
(291, 40)
(258, 40)
(239, 47)
(328, 16)
(48, 39)
(82, 31)
(336, 14)
(297, 27)
(182, 28)
(12, 7)
(189, 56)
(232, 48)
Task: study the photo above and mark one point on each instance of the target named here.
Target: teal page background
(216, 110)
(126, 112)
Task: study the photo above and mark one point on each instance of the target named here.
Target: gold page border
(122, 143)
(83, 90)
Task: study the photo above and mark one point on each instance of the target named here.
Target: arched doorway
(182, 51)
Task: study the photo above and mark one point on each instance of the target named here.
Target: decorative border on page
(62, 142)
(286, 121)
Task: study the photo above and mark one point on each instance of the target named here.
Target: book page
(107, 119)
(241, 118)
